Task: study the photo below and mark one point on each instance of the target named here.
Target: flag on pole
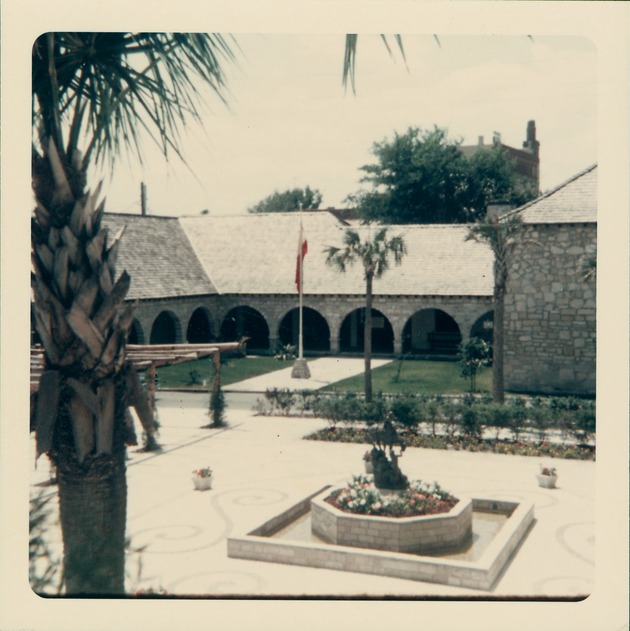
(302, 250)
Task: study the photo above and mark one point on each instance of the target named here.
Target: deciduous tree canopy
(288, 201)
(423, 177)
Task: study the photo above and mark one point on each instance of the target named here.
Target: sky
(290, 123)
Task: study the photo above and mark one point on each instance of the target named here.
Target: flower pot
(368, 466)
(547, 481)
(202, 484)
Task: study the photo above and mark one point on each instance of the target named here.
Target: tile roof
(256, 254)
(574, 201)
(158, 256)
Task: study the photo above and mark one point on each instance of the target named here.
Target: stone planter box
(260, 545)
(419, 535)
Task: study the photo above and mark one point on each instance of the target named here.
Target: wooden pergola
(148, 358)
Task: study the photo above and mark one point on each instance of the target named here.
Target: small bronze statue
(387, 473)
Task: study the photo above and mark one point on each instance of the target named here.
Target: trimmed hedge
(461, 422)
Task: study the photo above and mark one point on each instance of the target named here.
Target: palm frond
(350, 56)
(115, 89)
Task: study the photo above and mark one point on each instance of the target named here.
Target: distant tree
(473, 354)
(423, 177)
(493, 177)
(288, 201)
(374, 255)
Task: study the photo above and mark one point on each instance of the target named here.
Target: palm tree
(374, 255)
(93, 95)
(502, 235)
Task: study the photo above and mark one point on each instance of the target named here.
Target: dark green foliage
(406, 409)
(423, 177)
(444, 417)
(288, 201)
(194, 377)
(218, 406)
(474, 353)
(505, 447)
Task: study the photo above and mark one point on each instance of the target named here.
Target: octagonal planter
(420, 535)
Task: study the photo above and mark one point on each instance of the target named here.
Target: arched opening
(246, 322)
(165, 329)
(315, 330)
(199, 329)
(431, 331)
(484, 327)
(351, 334)
(136, 334)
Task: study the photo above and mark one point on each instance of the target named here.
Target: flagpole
(300, 368)
(300, 338)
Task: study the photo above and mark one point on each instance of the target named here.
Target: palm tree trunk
(83, 323)
(92, 509)
(498, 390)
(367, 337)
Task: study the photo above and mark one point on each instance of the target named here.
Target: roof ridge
(551, 192)
(198, 255)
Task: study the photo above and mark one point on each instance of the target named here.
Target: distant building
(527, 159)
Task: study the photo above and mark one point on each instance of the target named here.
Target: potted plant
(547, 477)
(202, 479)
(367, 461)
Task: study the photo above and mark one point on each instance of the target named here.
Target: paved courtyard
(262, 466)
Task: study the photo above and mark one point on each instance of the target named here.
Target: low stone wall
(259, 545)
(422, 535)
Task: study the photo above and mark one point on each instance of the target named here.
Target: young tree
(289, 201)
(374, 255)
(502, 235)
(93, 95)
(474, 353)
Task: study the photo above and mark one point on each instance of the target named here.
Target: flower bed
(411, 521)
(361, 497)
(519, 448)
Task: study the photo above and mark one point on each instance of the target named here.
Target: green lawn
(422, 377)
(233, 370)
(416, 376)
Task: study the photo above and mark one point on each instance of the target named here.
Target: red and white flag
(302, 250)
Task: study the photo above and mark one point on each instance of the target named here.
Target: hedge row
(570, 419)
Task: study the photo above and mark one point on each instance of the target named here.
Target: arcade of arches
(335, 325)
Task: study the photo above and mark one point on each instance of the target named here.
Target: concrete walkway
(324, 372)
(262, 466)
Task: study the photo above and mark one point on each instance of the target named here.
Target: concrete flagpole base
(300, 370)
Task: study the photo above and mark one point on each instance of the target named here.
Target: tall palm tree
(501, 234)
(93, 95)
(373, 254)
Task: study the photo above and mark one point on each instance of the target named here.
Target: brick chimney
(531, 144)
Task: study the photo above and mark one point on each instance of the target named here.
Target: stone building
(550, 310)
(205, 278)
(526, 159)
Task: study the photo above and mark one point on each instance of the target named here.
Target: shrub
(473, 354)
(405, 410)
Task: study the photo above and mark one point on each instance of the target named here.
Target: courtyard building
(220, 278)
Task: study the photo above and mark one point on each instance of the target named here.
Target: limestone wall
(550, 331)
